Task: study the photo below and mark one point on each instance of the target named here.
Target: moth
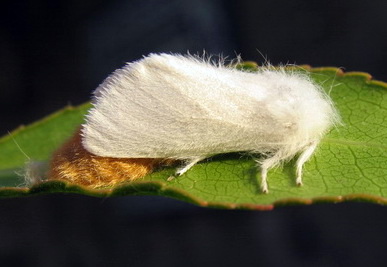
(165, 108)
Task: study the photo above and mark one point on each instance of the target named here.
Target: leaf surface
(350, 163)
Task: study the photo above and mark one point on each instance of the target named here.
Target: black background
(53, 53)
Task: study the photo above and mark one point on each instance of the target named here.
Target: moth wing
(168, 106)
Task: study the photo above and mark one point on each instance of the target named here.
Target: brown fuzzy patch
(73, 163)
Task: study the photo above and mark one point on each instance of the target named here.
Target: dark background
(53, 53)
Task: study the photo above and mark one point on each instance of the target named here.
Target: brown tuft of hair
(73, 163)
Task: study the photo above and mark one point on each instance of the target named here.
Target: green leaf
(350, 163)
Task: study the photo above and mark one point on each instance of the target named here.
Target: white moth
(187, 108)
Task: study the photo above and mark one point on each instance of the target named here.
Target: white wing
(167, 106)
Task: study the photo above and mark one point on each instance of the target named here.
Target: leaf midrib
(354, 143)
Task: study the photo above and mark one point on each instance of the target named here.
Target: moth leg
(265, 166)
(189, 164)
(304, 157)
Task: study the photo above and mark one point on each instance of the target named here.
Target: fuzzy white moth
(187, 108)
